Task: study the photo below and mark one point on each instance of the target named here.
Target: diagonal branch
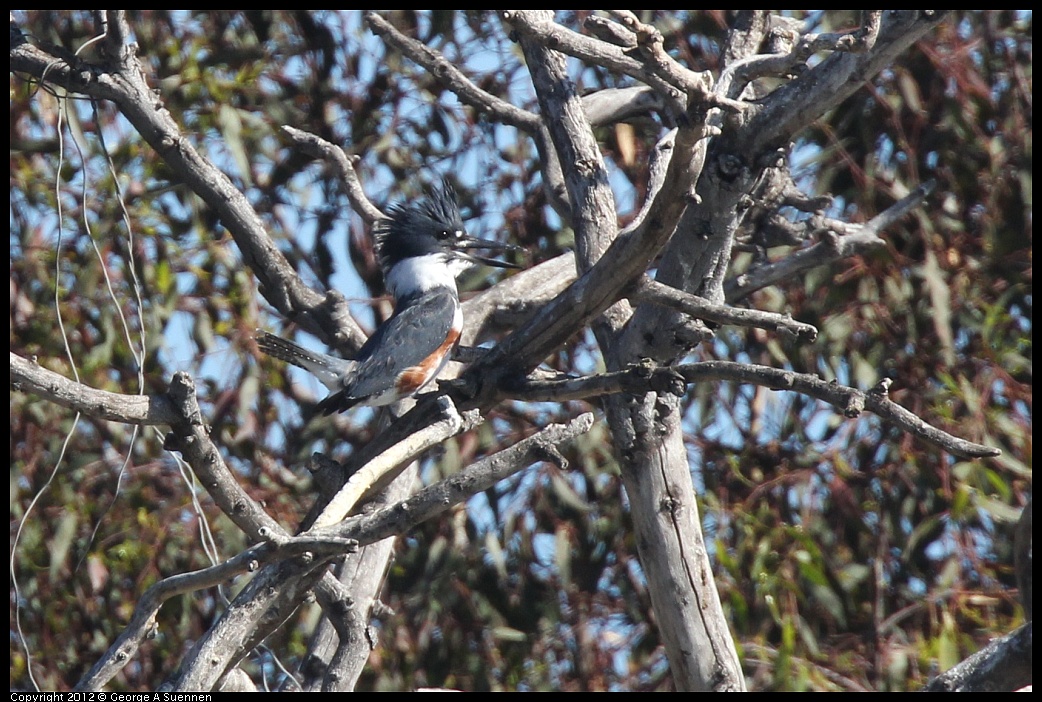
(331, 153)
(839, 240)
(121, 80)
(514, 299)
(479, 476)
(380, 471)
(447, 72)
(817, 90)
(217, 650)
(143, 624)
(191, 437)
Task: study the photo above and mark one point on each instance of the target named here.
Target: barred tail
(329, 369)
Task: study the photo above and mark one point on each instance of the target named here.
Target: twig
(216, 650)
(453, 78)
(331, 153)
(476, 477)
(701, 308)
(651, 45)
(386, 467)
(143, 623)
(856, 239)
(594, 51)
(122, 81)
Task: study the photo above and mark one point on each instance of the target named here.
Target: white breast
(420, 274)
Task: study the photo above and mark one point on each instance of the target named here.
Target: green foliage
(849, 556)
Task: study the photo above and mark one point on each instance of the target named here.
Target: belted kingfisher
(422, 247)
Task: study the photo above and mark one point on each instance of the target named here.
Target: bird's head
(432, 229)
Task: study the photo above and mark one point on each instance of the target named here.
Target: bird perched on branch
(422, 247)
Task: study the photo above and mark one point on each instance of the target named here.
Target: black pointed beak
(465, 245)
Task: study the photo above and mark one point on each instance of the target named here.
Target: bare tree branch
(698, 257)
(476, 477)
(597, 52)
(145, 410)
(839, 241)
(179, 409)
(790, 51)
(122, 81)
(219, 648)
(652, 291)
(203, 456)
(337, 601)
(613, 105)
(644, 378)
(333, 154)
(192, 438)
(225, 641)
(514, 300)
(651, 45)
(446, 72)
(745, 36)
(386, 467)
(142, 624)
(1004, 665)
(799, 102)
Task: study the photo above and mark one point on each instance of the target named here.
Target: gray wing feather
(405, 340)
